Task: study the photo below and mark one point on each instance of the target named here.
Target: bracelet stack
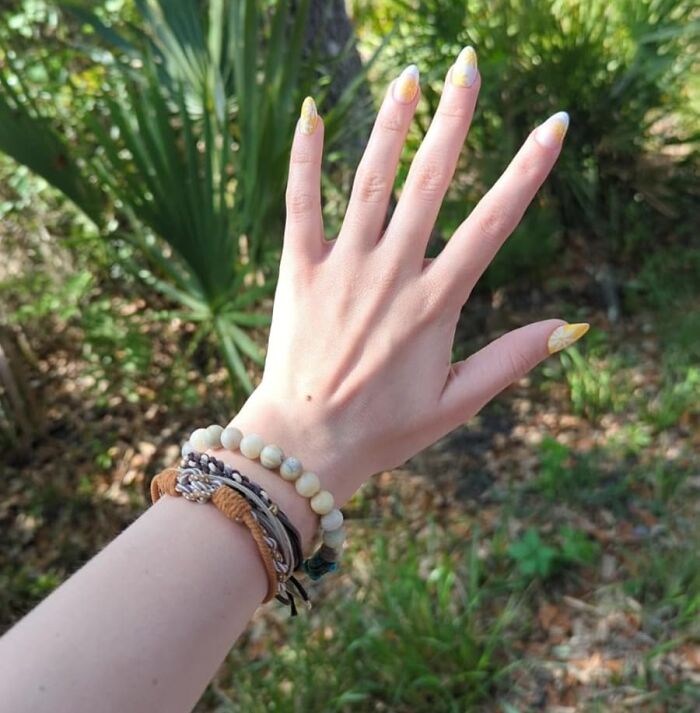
(306, 482)
(203, 478)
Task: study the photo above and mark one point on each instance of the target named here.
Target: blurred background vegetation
(545, 558)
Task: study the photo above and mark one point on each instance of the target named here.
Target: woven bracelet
(201, 478)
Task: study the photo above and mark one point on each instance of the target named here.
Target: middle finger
(435, 162)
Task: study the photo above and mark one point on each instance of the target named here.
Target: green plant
(532, 556)
(409, 640)
(576, 547)
(622, 68)
(175, 145)
(556, 468)
(666, 580)
(535, 558)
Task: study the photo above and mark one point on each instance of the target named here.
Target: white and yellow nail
(406, 86)
(552, 132)
(308, 117)
(564, 336)
(465, 71)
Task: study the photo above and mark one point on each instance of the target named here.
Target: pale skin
(358, 378)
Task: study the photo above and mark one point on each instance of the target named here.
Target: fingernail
(464, 70)
(406, 86)
(564, 336)
(308, 117)
(552, 132)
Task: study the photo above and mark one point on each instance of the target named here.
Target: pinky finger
(304, 228)
(474, 382)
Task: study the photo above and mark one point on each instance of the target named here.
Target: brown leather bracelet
(236, 508)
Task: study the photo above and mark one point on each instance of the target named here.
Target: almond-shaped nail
(406, 86)
(552, 132)
(464, 71)
(308, 117)
(564, 336)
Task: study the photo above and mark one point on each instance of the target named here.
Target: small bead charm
(271, 456)
(251, 446)
(329, 554)
(291, 469)
(332, 521)
(322, 503)
(335, 538)
(214, 435)
(231, 438)
(200, 440)
(308, 484)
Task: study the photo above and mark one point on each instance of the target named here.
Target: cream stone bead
(308, 484)
(200, 440)
(214, 435)
(291, 468)
(271, 456)
(231, 438)
(334, 538)
(332, 521)
(322, 503)
(251, 445)
(186, 449)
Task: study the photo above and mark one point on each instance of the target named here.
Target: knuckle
(517, 363)
(372, 186)
(449, 111)
(299, 202)
(528, 165)
(440, 305)
(430, 178)
(390, 120)
(302, 155)
(492, 222)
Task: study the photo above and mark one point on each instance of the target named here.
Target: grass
(418, 633)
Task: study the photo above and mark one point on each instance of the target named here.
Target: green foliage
(577, 547)
(532, 556)
(590, 383)
(535, 558)
(410, 641)
(175, 143)
(556, 472)
(594, 375)
(666, 579)
(621, 68)
(667, 280)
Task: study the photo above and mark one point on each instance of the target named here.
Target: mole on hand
(308, 397)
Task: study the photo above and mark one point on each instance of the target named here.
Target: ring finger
(374, 180)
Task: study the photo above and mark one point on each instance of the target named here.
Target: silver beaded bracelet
(307, 484)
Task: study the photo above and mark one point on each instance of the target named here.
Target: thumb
(472, 383)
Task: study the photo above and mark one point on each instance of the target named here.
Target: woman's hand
(358, 375)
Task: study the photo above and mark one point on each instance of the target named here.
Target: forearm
(144, 625)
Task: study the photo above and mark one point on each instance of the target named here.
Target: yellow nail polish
(564, 336)
(552, 132)
(464, 71)
(308, 117)
(406, 86)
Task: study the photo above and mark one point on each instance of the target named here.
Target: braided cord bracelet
(235, 507)
(202, 478)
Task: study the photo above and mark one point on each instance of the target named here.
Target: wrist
(280, 491)
(302, 431)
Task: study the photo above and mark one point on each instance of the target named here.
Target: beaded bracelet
(307, 484)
